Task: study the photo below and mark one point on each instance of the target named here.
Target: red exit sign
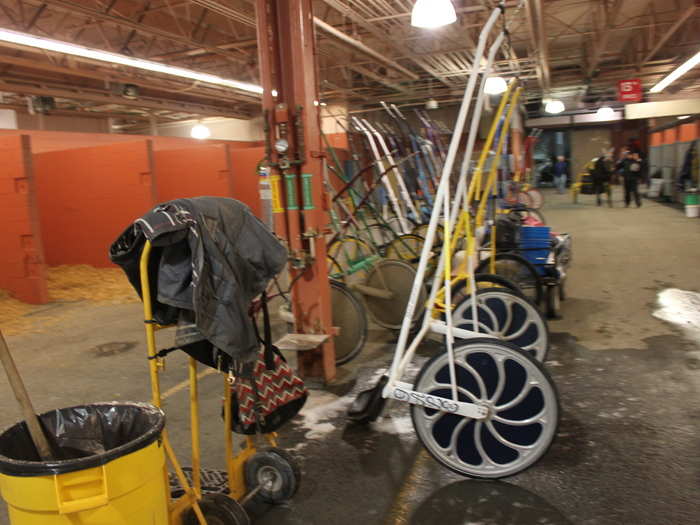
(629, 90)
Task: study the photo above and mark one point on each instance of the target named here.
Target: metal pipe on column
(287, 58)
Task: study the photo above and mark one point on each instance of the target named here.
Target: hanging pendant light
(200, 131)
(430, 14)
(605, 113)
(495, 86)
(554, 106)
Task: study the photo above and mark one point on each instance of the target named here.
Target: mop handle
(25, 403)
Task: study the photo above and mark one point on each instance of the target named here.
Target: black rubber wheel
(518, 270)
(349, 315)
(460, 289)
(278, 473)
(218, 510)
(562, 290)
(552, 301)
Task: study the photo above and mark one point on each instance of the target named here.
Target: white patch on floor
(320, 409)
(682, 308)
(398, 425)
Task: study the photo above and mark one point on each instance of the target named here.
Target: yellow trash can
(109, 468)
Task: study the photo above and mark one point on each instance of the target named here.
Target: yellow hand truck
(269, 476)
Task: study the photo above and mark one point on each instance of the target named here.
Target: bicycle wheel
(422, 231)
(536, 198)
(523, 410)
(352, 255)
(377, 235)
(525, 213)
(509, 317)
(406, 248)
(524, 198)
(396, 277)
(350, 317)
(518, 270)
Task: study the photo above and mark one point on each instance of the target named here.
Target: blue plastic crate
(535, 232)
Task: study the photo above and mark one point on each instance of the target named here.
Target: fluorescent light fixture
(605, 113)
(48, 44)
(683, 117)
(495, 86)
(430, 14)
(677, 73)
(200, 131)
(554, 106)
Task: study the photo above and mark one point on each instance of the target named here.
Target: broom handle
(35, 430)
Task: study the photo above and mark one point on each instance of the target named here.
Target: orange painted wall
(193, 172)
(670, 135)
(22, 264)
(45, 141)
(338, 140)
(688, 132)
(244, 164)
(88, 196)
(656, 138)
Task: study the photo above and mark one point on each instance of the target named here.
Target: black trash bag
(81, 437)
(507, 233)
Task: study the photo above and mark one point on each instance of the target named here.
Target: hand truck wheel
(562, 290)
(218, 510)
(272, 475)
(523, 410)
(552, 301)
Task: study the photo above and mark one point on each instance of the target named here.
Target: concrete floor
(621, 456)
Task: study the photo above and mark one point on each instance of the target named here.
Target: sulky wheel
(508, 316)
(395, 277)
(460, 288)
(377, 235)
(422, 231)
(536, 198)
(348, 315)
(275, 473)
(218, 510)
(406, 248)
(518, 270)
(523, 410)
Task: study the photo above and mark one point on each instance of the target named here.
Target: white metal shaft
(403, 190)
(387, 184)
(439, 197)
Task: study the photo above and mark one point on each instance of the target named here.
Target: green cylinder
(306, 187)
(692, 199)
(291, 180)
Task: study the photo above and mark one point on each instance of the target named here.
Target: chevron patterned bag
(272, 395)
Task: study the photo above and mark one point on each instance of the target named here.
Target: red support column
(286, 48)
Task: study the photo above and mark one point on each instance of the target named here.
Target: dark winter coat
(211, 256)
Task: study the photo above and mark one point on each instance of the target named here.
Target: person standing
(602, 172)
(561, 173)
(632, 169)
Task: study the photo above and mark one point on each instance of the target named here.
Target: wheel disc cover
(397, 277)
(508, 317)
(352, 323)
(523, 411)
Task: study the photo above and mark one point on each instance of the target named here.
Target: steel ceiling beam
(106, 97)
(669, 33)
(120, 21)
(382, 36)
(604, 36)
